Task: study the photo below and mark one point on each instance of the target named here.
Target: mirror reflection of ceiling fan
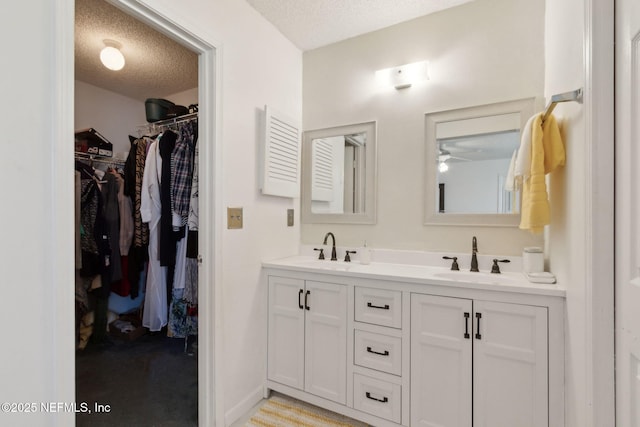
(444, 155)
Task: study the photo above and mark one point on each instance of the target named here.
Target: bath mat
(281, 411)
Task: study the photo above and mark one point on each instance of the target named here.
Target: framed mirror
(468, 153)
(339, 174)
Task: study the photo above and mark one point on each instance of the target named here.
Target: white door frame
(599, 219)
(627, 247)
(210, 394)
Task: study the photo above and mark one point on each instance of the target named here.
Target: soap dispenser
(365, 254)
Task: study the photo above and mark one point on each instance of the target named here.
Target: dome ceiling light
(111, 56)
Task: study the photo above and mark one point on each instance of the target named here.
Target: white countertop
(507, 281)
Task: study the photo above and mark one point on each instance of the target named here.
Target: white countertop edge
(417, 274)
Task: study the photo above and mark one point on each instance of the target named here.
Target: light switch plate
(289, 217)
(234, 218)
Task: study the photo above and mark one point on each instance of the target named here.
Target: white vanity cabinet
(307, 336)
(415, 351)
(478, 363)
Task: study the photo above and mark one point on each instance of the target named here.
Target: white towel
(510, 182)
(523, 159)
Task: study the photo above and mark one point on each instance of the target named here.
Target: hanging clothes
(155, 303)
(191, 280)
(111, 211)
(134, 173)
(182, 175)
(168, 239)
(169, 207)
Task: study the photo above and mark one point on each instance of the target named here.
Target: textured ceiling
(156, 66)
(310, 24)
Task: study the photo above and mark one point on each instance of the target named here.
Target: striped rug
(282, 411)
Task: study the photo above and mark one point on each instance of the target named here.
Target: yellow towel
(547, 153)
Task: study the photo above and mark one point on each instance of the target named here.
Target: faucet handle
(347, 258)
(495, 268)
(321, 256)
(454, 264)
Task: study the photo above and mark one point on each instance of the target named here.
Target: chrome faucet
(474, 257)
(333, 248)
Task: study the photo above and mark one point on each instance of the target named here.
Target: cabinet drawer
(377, 351)
(377, 397)
(379, 307)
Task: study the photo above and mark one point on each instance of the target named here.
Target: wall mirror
(339, 174)
(468, 152)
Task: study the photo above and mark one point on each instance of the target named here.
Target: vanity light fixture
(111, 56)
(403, 76)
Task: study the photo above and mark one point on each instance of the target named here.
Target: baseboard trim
(235, 413)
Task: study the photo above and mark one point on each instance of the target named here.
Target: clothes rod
(90, 158)
(574, 95)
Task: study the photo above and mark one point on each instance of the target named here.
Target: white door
(627, 246)
(441, 361)
(510, 383)
(285, 353)
(326, 340)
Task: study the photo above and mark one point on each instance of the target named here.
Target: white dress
(155, 312)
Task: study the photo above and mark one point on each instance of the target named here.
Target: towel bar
(574, 95)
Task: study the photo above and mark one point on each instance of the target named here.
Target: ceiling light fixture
(443, 167)
(111, 56)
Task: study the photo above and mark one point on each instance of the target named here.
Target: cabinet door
(285, 360)
(510, 365)
(441, 361)
(326, 340)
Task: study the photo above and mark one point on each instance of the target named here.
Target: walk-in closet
(137, 223)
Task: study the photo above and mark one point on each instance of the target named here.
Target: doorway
(209, 186)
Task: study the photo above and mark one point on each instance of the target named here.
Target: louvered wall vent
(322, 170)
(281, 169)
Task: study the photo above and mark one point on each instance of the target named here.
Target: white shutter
(281, 170)
(322, 171)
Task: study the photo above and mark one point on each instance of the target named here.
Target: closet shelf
(161, 125)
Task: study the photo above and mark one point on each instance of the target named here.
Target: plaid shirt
(182, 172)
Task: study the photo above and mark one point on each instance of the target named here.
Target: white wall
(113, 115)
(481, 52)
(28, 271)
(185, 98)
(259, 66)
(583, 265)
(566, 244)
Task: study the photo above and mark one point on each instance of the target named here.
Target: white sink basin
(474, 277)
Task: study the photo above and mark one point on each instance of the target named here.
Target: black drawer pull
(383, 400)
(381, 307)
(299, 301)
(478, 317)
(466, 325)
(306, 300)
(386, 352)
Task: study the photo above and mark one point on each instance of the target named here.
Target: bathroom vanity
(412, 345)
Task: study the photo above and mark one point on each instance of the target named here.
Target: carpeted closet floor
(146, 382)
